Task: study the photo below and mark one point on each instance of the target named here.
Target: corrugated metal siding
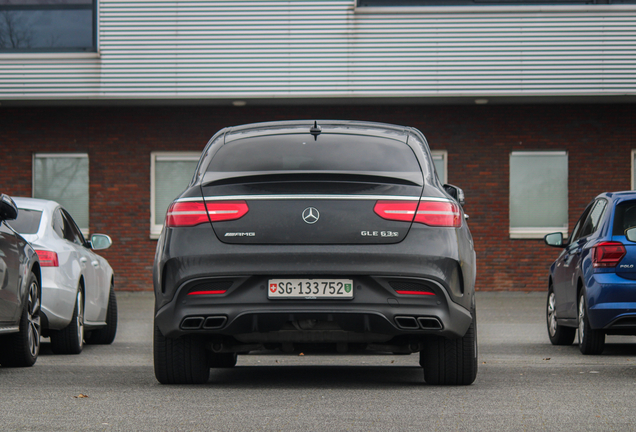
(282, 49)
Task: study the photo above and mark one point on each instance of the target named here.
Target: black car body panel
(17, 259)
(333, 201)
(20, 293)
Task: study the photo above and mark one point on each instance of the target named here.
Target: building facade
(528, 107)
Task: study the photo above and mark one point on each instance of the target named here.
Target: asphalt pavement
(524, 383)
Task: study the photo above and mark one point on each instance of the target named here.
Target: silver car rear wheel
(70, 340)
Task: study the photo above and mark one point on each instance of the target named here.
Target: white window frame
(64, 55)
(633, 185)
(540, 232)
(85, 230)
(175, 156)
(444, 155)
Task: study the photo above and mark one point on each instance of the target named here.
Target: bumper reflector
(216, 292)
(414, 292)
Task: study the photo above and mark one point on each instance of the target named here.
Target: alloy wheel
(33, 317)
(80, 318)
(581, 319)
(552, 321)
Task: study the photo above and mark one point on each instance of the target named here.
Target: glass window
(624, 217)
(58, 223)
(27, 222)
(47, 26)
(593, 219)
(440, 160)
(63, 178)
(348, 153)
(538, 193)
(170, 174)
(576, 232)
(71, 231)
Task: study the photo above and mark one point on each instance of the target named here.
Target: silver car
(78, 298)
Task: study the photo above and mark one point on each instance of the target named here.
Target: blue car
(592, 286)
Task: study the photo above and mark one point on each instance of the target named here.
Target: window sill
(49, 56)
(535, 233)
(492, 9)
(154, 233)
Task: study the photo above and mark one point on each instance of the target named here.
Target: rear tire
(591, 341)
(558, 334)
(70, 340)
(21, 349)
(106, 335)
(180, 361)
(451, 361)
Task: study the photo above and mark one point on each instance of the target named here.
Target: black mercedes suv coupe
(315, 235)
(20, 293)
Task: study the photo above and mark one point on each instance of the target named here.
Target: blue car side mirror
(554, 239)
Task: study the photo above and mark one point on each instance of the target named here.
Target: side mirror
(456, 193)
(100, 241)
(631, 234)
(554, 239)
(8, 209)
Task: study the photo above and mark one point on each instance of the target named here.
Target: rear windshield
(28, 221)
(624, 217)
(300, 152)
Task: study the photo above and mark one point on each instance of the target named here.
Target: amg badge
(240, 234)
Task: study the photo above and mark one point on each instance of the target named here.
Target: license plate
(310, 288)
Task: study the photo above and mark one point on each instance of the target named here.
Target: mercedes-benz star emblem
(311, 215)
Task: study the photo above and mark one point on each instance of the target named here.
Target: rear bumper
(612, 303)
(375, 311)
(186, 257)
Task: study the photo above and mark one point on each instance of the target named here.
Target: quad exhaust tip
(407, 323)
(205, 323)
(419, 323)
(214, 322)
(429, 323)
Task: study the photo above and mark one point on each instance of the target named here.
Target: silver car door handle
(83, 260)
(95, 263)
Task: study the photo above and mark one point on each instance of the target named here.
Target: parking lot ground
(524, 383)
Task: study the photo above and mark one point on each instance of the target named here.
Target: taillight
(182, 214)
(442, 214)
(47, 258)
(396, 210)
(432, 213)
(607, 254)
(227, 210)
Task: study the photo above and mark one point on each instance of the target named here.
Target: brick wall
(479, 139)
